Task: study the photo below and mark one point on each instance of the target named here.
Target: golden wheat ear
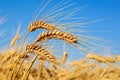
(47, 35)
(42, 53)
(95, 57)
(41, 25)
(56, 35)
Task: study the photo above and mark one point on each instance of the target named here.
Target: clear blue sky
(22, 11)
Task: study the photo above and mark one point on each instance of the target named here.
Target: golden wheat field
(34, 58)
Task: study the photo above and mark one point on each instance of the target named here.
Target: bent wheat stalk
(40, 24)
(42, 53)
(27, 73)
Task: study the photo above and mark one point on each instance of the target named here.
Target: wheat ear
(96, 57)
(42, 53)
(57, 35)
(41, 25)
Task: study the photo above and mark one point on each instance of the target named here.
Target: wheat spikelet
(43, 54)
(109, 59)
(96, 57)
(57, 35)
(41, 24)
(117, 58)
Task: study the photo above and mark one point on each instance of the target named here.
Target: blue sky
(22, 11)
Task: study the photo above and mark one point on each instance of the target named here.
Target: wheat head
(96, 57)
(57, 35)
(42, 53)
(40, 24)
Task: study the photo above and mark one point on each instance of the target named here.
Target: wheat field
(31, 60)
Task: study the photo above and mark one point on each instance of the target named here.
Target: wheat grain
(43, 54)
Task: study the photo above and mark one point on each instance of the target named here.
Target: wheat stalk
(26, 75)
